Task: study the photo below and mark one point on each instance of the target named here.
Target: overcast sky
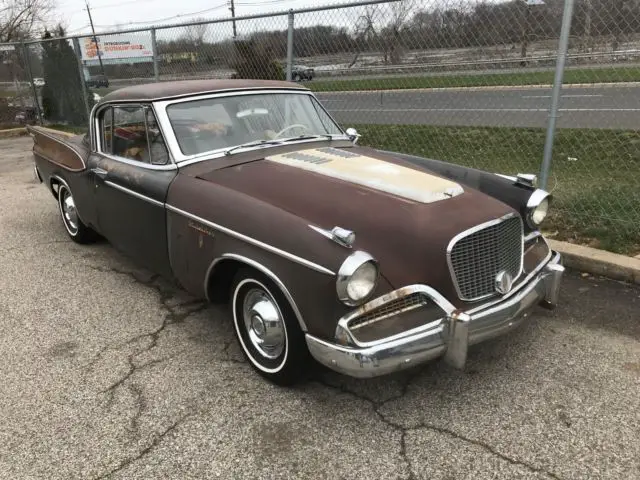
(125, 14)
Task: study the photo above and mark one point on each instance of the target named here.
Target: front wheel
(77, 230)
(267, 328)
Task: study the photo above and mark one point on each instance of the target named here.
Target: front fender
(208, 222)
(513, 194)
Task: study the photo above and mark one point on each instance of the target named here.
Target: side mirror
(353, 134)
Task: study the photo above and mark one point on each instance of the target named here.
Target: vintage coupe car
(248, 192)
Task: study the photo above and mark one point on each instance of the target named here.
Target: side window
(129, 132)
(107, 130)
(132, 132)
(159, 155)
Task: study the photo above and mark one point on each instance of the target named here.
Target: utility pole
(233, 16)
(95, 39)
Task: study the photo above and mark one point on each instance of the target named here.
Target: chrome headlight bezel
(536, 200)
(348, 268)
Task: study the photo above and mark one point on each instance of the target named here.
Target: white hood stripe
(372, 173)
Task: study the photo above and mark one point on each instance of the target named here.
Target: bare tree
(365, 31)
(400, 13)
(196, 33)
(20, 19)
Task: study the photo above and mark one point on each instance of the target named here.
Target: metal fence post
(290, 46)
(25, 53)
(76, 47)
(154, 50)
(555, 94)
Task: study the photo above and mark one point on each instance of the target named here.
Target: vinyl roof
(165, 90)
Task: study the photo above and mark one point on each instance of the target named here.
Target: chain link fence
(468, 82)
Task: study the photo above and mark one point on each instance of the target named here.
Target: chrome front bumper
(449, 337)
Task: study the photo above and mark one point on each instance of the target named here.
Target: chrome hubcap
(263, 323)
(69, 211)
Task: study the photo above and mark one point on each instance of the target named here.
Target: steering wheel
(289, 127)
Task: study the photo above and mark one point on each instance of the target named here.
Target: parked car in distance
(97, 81)
(26, 116)
(39, 82)
(300, 73)
(248, 192)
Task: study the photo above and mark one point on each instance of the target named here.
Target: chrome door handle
(99, 172)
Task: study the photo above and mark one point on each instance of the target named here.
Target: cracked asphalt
(109, 371)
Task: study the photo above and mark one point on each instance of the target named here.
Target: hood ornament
(340, 235)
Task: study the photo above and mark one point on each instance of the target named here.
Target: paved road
(110, 372)
(591, 107)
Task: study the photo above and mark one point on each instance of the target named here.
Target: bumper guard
(449, 337)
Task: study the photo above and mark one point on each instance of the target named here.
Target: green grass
(595, 175)
(587, 75)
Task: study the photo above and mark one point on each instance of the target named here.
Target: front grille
(476, 259)
(394, 307)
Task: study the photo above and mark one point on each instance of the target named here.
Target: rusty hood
(403, 215)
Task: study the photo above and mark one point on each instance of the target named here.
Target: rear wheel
(267, 328)
(77, 230)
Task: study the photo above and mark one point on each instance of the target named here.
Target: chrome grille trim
(473, 286)
(394, 307)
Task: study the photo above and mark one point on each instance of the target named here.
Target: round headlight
(537, 208)
(539, 213)
(357, 278)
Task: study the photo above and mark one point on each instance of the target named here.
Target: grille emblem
(504, 282)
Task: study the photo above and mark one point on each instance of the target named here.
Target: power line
(77, 29)
(172, 17)
(269, 2)
(120, 4)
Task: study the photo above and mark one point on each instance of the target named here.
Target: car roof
(165, 90)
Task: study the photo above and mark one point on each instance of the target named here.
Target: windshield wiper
(254, 143)
(328, 136)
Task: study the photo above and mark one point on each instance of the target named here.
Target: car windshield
(217, 123)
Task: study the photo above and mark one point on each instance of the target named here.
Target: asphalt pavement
(595, 106)
(111, 372)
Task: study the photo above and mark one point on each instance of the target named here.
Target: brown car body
(199, 221)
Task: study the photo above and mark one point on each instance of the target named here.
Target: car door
(132, 171)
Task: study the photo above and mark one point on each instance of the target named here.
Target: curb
(598, 262)
(56, 132)
(13, 132)
(482, 88)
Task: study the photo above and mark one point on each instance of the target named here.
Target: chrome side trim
(150, 200)
(263, 269)
(51, 160)
(134, 163)
(471, 231)
(252, 241)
